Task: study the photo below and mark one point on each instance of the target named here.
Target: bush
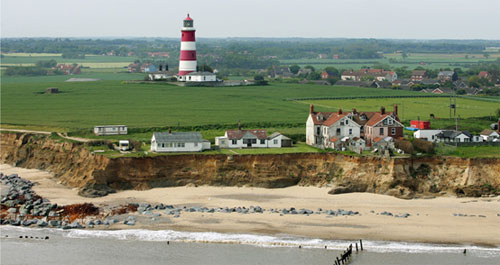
(404, 145)
(423, 146)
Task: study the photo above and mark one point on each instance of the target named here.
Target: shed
(178, 142)
(52, 90)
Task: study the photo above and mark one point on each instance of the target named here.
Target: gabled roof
(446, 73)
(378, 117)
(483, 74)
(238, 134)
(488, 132)
(452, 134)
(178, 137)
(276, 134)
(418, 72)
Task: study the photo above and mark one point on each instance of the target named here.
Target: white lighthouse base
(197, 77)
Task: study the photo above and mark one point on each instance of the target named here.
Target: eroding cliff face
(74, 166)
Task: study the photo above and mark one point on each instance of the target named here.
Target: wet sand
(430, 220)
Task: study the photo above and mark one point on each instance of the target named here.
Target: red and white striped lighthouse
(187, 58)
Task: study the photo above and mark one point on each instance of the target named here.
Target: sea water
(183, 248)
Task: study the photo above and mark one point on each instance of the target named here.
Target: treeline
(287, 48)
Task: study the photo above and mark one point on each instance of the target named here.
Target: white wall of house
(462, 138)
(222, 142)
(275, 142)
(200, 78)
(491, 137)
(176, 146)
(428, 135)
(477, 139)
(342, 128)
(311, 131)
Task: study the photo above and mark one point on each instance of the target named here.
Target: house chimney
(170, 130)
(354, 111)
(340, 111)
(311, 108)
(396, 110)
(239, 125)
(382, 110)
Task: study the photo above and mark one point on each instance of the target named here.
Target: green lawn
(82, 105)
(470, 151)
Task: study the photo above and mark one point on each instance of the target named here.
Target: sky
(395, 19)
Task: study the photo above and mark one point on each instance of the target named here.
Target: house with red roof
(483, 74)
(321, 127)
(252, 139)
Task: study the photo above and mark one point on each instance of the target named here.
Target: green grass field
(412, 108)
(86, 104)
(429, 60)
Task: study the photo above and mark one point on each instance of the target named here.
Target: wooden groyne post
(345, 257)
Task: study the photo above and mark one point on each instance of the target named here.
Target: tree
(46, 64)
(367, 78)
(332, 71)
(461, 91)
(473, 81)
(314, 76)
(309, 67)
(404, 55)
(258, 78)
(294, 69)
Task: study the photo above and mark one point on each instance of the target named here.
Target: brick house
(418, 75)
(321, 127)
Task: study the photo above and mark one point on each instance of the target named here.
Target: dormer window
(346, 121)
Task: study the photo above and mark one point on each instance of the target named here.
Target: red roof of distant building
(483, 74)
(334, 139)
(377, 139)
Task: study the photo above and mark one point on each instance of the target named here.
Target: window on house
(342, 123)
(393, 131)
(390, 121)
(162, 144)
(262, 141)
(275, 141)
(234, 141)
(346, 122)
(338, 131)
(254, 141)
(385, 122)
(317, 130)
(350, 131)
(195, 144)
(381, 131)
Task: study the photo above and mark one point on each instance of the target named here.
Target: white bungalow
(251, 138)
(110, 130)
(489, 135)
(428, 135)
(178, 142)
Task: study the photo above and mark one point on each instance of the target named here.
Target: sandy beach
(430, 220)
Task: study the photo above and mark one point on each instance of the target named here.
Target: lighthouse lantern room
(187, 58)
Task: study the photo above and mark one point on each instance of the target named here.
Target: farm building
(418, 75)
(110, 130)
(52, 90)
(252, 138)
(178, 142)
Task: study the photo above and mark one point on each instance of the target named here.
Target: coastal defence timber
(96, 175)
